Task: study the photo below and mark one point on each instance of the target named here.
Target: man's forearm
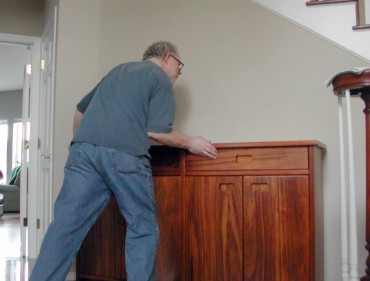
(174, 139)
(196, 145)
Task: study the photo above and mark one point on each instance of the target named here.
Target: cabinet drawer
(281, 158)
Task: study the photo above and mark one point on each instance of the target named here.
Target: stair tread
(364, 26)
(320, 2)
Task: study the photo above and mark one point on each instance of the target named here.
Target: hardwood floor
(10, 242)
(13, 267)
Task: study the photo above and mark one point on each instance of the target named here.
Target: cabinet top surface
(271, 144)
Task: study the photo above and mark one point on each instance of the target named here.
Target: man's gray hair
(159, 50)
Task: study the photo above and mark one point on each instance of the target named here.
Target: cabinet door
(276, 240)
(169, 257)
(102, 254)
(214, 228)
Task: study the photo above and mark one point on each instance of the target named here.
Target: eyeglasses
(181, 65)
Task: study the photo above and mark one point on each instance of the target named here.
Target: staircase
(362, 10)
(345, 23)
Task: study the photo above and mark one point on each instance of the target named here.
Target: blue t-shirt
(130, 101)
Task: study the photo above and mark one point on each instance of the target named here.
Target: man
(109, 156)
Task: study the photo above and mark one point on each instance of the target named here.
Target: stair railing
(362, 11)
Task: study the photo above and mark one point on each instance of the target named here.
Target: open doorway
(15, 129)
(13, 58)
(22, 128)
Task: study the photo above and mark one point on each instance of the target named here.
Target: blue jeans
(92, 175)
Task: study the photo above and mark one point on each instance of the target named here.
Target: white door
(25, 152)
(45, 191)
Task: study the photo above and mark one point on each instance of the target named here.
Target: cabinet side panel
(317, 214)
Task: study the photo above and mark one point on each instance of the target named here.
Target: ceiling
(12, 61)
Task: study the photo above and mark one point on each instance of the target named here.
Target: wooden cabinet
(254, 214)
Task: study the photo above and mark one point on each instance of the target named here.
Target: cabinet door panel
(276, 240)
(214, 228)
(295, 223)
(261, 242)
(169, 257)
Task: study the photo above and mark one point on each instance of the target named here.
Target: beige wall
(249, 76)
(77, 69)
(22, 17)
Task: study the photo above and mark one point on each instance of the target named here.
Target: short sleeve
(161, 112)
(84, 103)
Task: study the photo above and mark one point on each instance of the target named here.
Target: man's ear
(166, 57)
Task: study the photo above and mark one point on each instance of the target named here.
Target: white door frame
(28, 211)
(27, 76)
(45, 212)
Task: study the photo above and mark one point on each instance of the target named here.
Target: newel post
(354, 82)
